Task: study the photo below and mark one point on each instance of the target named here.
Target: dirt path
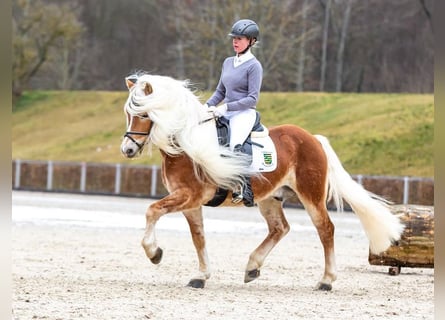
(66, 272)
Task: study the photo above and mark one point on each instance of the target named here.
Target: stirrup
(237, 197)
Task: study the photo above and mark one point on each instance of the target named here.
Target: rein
(206, 120)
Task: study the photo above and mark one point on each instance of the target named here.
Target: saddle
(258, 146)
(223, 131)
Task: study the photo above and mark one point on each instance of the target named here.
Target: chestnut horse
(164, 112)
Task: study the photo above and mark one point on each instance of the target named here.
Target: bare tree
(302, 54)
(67, 65)
(378, 45)
(327, 15)
(37, 27)
(179, 41)
(341, 46)
(428, 14)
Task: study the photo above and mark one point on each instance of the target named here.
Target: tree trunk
(179, 42)
(415, 249)
(302, 57)
(427, 14)
(325, 44)
(341, 47)
(212, 74)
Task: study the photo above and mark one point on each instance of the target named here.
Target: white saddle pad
(264, 154)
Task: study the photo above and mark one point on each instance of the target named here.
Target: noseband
(129, 133)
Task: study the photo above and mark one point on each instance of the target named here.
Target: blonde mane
(178, 116)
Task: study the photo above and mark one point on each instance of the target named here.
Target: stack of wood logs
(415, 249)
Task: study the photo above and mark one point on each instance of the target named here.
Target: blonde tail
(381, 226)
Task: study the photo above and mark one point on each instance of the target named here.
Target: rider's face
(240, 44)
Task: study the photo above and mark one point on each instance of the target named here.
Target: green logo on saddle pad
(267, 158)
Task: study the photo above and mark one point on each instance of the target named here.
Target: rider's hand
(218, 111)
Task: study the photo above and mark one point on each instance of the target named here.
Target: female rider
(239, 89)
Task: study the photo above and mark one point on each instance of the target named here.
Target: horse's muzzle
(129, 149)
(129, 152)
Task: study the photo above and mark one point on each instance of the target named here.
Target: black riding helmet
(245, 27)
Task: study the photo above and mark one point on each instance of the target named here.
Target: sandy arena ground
(62, 271)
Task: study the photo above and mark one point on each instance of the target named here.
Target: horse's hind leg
(195, 221)
(325, 228)
(272, 211)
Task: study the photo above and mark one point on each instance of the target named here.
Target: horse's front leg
(174, 202)
(195, 221)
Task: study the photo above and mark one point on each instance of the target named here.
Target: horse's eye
(143, 116)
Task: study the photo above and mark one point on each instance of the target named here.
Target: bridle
(129, 134)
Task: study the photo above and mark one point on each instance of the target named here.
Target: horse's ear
(130, 82)
(148, 89)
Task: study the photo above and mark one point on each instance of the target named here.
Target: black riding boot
(246, 193)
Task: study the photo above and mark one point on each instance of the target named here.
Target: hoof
(196, 283)
(157, 257)
(324, 287)
(251, 275)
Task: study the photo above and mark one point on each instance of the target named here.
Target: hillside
(373, 134)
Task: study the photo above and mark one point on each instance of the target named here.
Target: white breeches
(241, 124)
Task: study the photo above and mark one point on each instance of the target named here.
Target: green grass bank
(373, 134)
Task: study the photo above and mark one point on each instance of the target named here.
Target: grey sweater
(239, 87)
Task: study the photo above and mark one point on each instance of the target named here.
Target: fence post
(18, 164)
(154, 180)
(83, 176)
(49, 176)
(405, 189)
(117, 181)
